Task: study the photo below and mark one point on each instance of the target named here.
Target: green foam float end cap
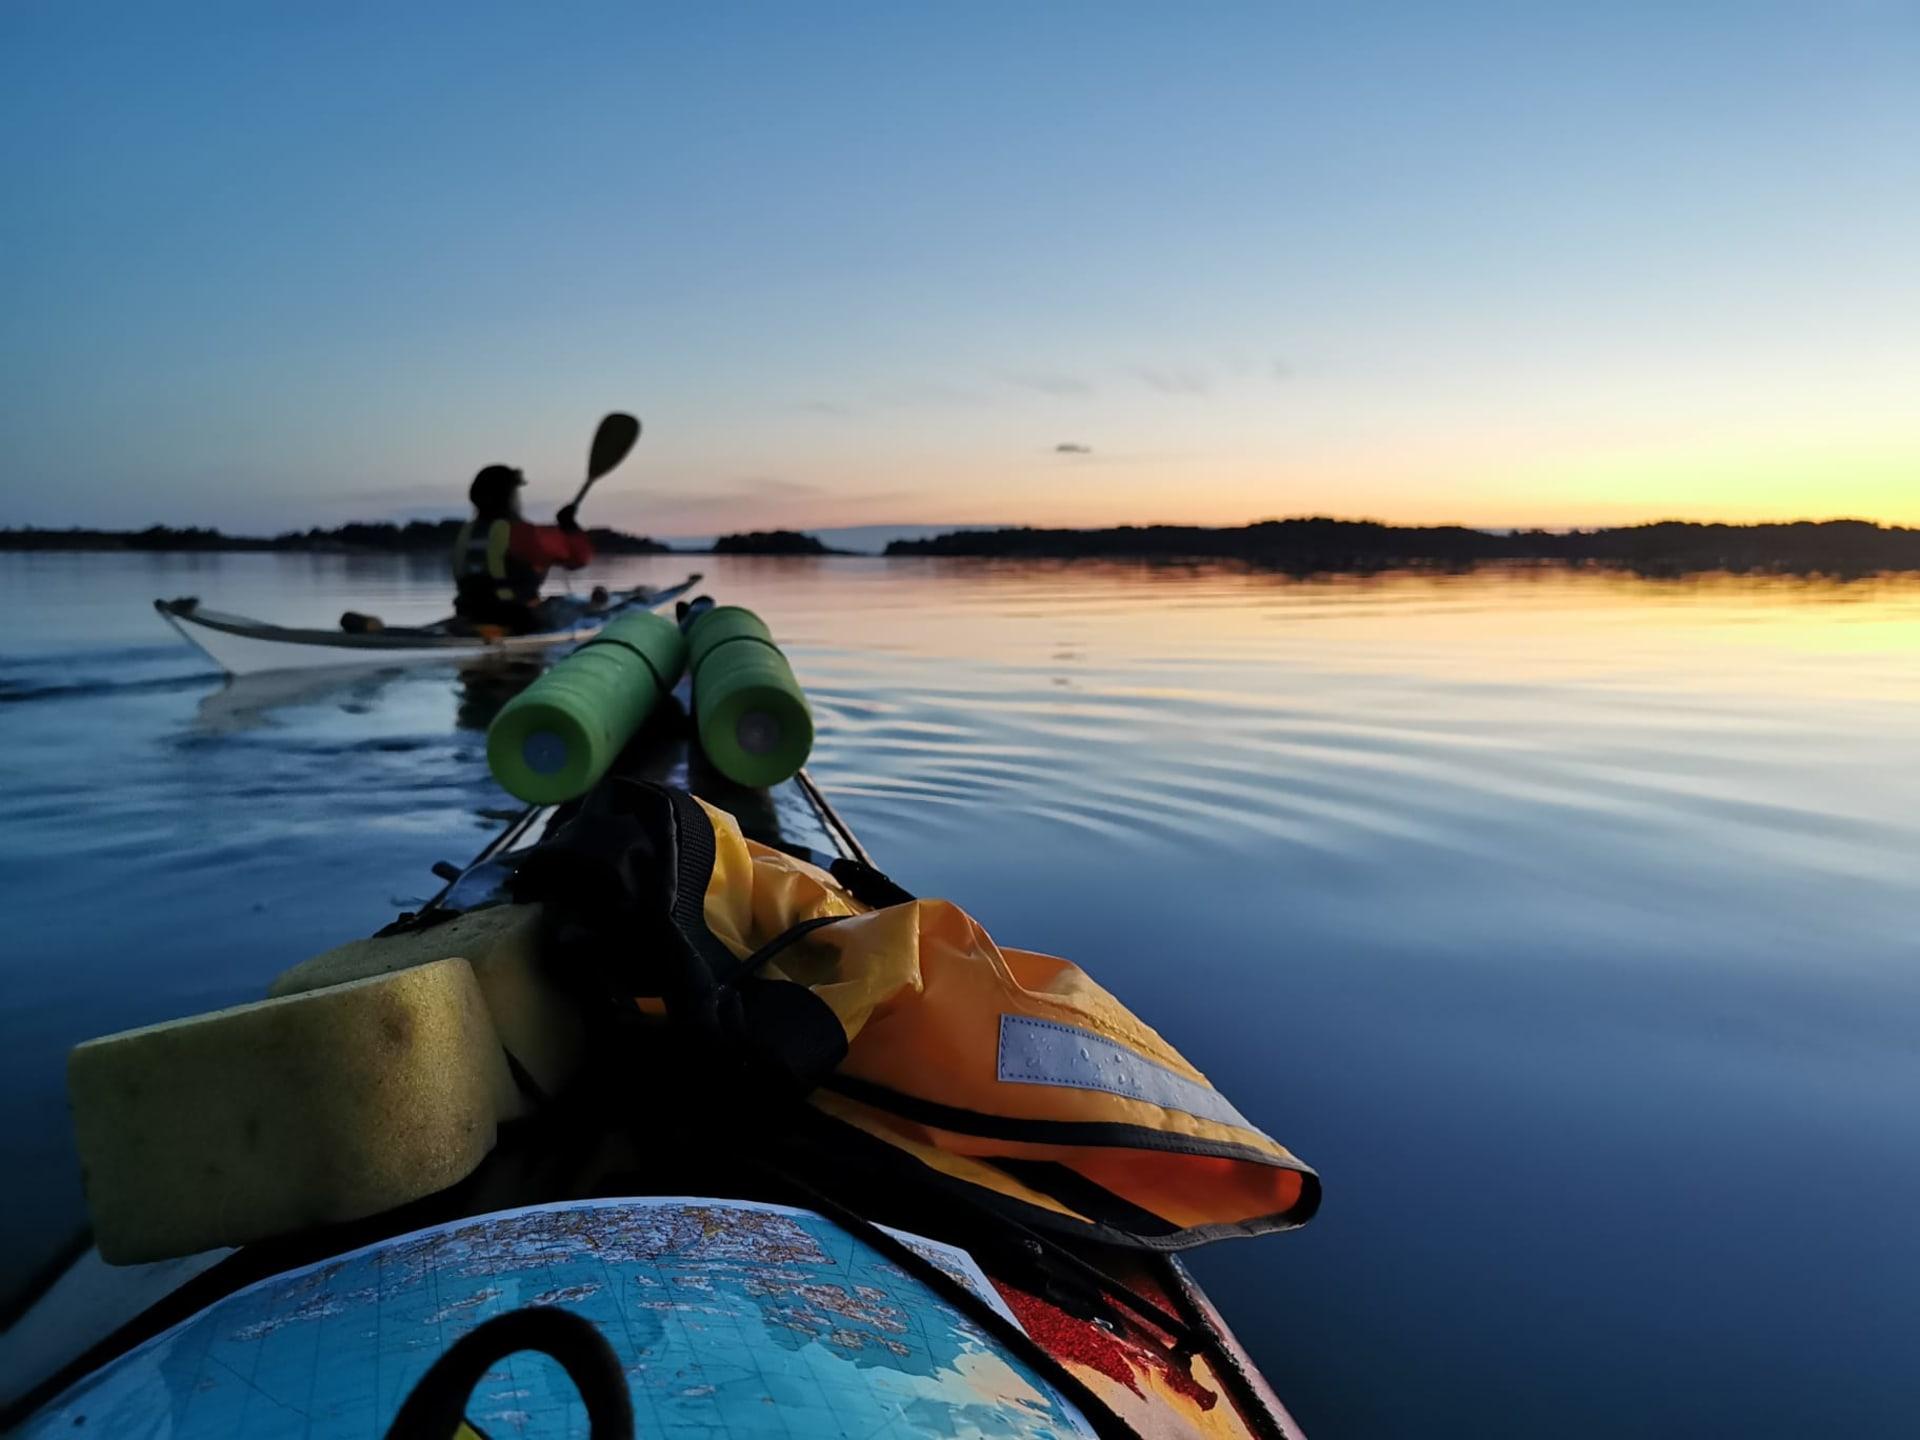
(754, 721)
(558, 737)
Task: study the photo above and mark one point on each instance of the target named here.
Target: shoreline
(1315, 546)
(1324, 546)
(360, 538)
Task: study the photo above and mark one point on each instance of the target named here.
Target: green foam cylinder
(752, 715)
(555, 739)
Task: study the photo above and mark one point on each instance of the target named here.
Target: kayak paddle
(611, 442)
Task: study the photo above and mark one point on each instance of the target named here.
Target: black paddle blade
(611, 442)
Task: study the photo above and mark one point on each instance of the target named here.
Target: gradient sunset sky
(274, 265)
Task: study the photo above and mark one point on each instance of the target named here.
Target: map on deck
(733, 1321)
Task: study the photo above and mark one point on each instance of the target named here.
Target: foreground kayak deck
(243, 646)
(93, 1313)
(721, 1317)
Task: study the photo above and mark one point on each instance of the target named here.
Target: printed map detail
(733, 1322)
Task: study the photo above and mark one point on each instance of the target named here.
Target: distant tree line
(1317, 545)
(355, 537)
(1305, 546)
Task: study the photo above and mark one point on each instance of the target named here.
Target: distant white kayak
(241, 646)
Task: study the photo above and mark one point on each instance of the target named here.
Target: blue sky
(278, 265)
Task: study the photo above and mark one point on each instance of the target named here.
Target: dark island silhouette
(355, 537)
(1304, 546)
(361, 537)
(773, 542)
(1318, 545)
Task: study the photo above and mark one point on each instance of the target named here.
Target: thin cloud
(927, 393)
(1059, 386)
(772, 485)
(1069, 447)
(1173, 380)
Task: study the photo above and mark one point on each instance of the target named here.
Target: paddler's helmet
(493, 488)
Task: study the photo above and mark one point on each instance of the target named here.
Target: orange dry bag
(1010, 1075)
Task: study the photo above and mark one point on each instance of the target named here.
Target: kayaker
(500, 559)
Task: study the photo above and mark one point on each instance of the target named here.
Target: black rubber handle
(438, 1404)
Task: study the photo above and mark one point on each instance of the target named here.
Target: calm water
(1567, 924)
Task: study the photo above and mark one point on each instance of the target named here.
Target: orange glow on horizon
(1740, 484)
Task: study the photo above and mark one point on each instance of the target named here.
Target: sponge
(268, 1118)
(536, 1019)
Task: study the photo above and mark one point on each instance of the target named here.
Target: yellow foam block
(268, 1118)
(536, 1020)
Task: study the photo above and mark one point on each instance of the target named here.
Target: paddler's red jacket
(541, 547)
(498, 565)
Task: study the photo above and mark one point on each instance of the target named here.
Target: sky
(1496, 264)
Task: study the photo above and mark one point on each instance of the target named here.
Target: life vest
(1006, 1075)
(486, 573)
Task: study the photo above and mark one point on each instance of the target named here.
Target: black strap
(435, 1407)
(868, 885)
(757, 961)
(871, 887)
(788, 1037)
(1227, 1361)
(694, 856)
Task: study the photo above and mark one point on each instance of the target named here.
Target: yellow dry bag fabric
(1000, 1068)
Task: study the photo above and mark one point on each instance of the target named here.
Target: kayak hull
(243, 646)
